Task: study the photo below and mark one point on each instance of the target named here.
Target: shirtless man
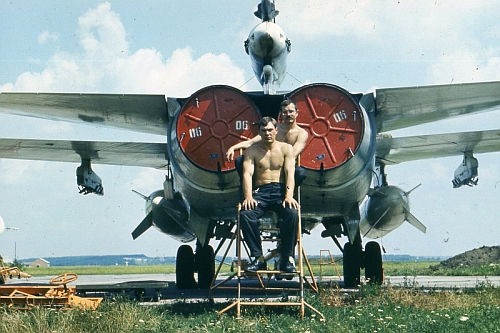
(268, 184)
(288, 131)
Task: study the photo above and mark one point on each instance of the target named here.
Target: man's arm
(289, 169)
(300, 143)
(248, 170)
(241, 145)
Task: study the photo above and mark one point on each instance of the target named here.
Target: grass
(100, 270)
(391, 268)
(372, 309)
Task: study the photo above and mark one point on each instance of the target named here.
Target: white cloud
(105, 64)
(102, 34)
(46, 36)
(312, 18)
(180, 75)
(455, 39)
(15, 172)
(147, 180)
(6, 87)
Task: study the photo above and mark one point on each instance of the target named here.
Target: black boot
(286, 266)
(256, 265)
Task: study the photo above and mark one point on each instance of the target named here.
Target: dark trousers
(270, 197)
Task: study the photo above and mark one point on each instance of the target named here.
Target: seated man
(288, 131)
(268, 184)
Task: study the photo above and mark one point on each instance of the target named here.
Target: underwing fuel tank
(170, 217)
(339, 154)
(206, 125)
(386, 209)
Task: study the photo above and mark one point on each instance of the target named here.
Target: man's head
(268, 128)
(288, 111)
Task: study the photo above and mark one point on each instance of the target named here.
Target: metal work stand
(239, 302)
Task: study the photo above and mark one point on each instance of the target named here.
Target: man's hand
(292, 203)
(249, 204)
(230, 154)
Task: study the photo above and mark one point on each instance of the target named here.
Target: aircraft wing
(404, 107)
(140, 113)
(153, 155)
(396, 150)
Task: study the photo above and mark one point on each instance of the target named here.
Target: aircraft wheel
(205, 262)
(184, 268)
(373, 263)
(352, 265)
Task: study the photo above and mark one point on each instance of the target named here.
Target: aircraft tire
(205, 262)
(184, 268)
(373, 263)
(352, 265)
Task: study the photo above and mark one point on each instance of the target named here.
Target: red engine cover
(335, 124)
(212, 120)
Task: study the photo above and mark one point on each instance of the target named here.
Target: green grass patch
(391, 268)
(372, 309)
(100, 270)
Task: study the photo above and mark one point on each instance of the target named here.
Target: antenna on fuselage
(141, 195)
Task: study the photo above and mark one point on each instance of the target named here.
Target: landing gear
(373, 263)
(184, 268)
(205, 263)
(187, 263)
(352, 260)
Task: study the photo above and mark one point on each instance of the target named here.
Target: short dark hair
(266, 120)
(287, 102)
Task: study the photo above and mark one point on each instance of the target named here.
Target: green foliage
(18, 264)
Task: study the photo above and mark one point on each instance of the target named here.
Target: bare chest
(289, 137)
(271, 160)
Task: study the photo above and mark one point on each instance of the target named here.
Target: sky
(174, 48)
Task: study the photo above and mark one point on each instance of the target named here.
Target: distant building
(40, 262)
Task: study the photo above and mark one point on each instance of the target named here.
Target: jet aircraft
(346, 189)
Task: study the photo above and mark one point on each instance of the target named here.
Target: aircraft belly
(335, 200)
(214, 204)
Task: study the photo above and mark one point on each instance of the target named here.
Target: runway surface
(423, 281)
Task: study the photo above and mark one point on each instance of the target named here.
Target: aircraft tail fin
(415, 222)
(143, 226)
(266, 11)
